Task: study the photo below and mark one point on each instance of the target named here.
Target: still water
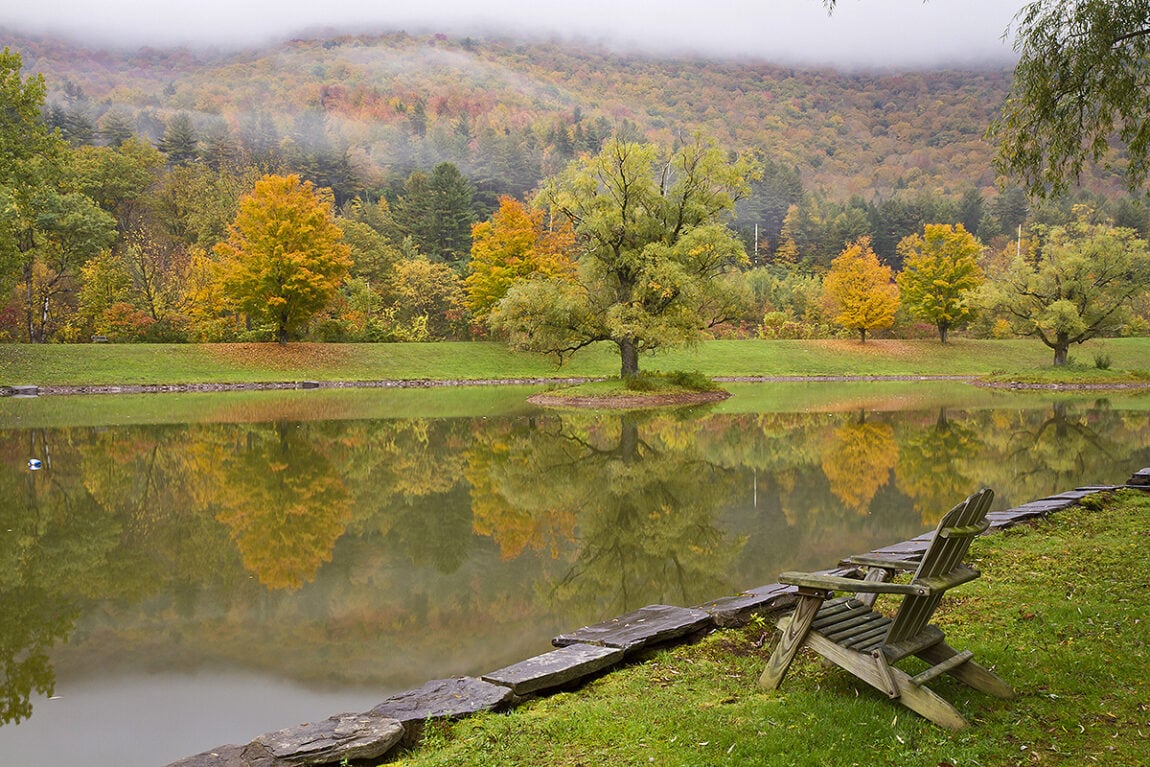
(183, 573)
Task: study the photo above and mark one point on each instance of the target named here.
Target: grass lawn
(1059, 613)
(80, 364)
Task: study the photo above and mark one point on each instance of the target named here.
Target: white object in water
(34, 464)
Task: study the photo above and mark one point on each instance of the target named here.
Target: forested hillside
(507, 113)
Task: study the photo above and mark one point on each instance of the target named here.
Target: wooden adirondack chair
(850, 634)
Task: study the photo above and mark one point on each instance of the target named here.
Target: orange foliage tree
(284, 258)
(514, 245)
(858, 462)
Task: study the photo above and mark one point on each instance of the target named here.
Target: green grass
(81, 364)
(1059, 612)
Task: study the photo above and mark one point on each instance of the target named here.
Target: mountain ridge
(398, 102)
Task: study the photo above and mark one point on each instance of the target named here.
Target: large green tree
(1081, 90)
(940, 269)
(284, 257)
(655, 252)
(1077, 286)
(48, 225)
(23, 137)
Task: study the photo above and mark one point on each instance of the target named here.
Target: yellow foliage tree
(426, 299)
(858, 462)
(285, 257)
(859, 290)
(514, 245)
(940, 269)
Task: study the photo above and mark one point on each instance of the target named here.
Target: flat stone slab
(335, 739)
(913, 549)
(555, 668)
(220, 756)
(772, 590)
(1078, 493)
(643, 627)
(444, 699)
(738, 610)
(22, 391)
(1044, 505)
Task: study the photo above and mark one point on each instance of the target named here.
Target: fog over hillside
(871, 33)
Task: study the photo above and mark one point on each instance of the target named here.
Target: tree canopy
(654, 252)
(860, 291)
(940, 269)
(512, 246)
(1076, 284)
(284, 257)
(1079, 93)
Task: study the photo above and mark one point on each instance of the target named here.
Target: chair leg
(970, 673)
(794, 632)
(927, 703)
(921, 700)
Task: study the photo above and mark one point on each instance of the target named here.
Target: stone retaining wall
(414, 383)
(580, 655)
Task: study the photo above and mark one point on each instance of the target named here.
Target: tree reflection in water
(630, 492)
(391, 551)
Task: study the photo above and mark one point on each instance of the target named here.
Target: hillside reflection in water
(360, 557)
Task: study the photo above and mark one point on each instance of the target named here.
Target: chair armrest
(838, 583)
(956, 577)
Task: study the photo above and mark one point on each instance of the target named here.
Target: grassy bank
(1059, 612)
(84, 364)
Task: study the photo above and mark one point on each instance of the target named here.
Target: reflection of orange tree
(858, 460)
(505, 474)
(644, 506)
(931, 466)
(284, 503)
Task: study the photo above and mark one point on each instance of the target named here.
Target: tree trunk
(1061, 350)
(628, 439)
(862, 335)
(629, 356)
(943, 329)
(29, 311)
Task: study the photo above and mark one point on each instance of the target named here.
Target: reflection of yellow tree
(930, 466)
(858, 461)
(285, 505)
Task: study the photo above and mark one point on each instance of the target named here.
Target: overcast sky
(872, 32)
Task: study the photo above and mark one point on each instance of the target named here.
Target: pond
(185, 571)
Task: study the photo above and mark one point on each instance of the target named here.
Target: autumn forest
(144, 209)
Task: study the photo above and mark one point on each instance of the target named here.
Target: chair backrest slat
(946, 552)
